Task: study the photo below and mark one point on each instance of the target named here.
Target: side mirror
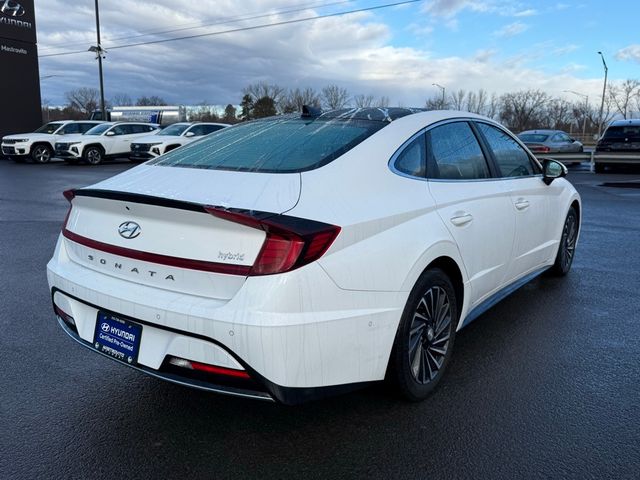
(110, 133)
(552, 169)
(190, 134)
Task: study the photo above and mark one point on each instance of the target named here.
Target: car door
(474, 205)
(125, 134)
(529, 197)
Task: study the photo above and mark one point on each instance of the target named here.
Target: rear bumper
(297, 343)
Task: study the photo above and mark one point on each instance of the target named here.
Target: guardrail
(596, 160)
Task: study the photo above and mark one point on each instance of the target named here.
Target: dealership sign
(9, 11)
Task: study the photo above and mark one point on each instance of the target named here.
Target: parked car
(294, 257)
(162, 115)
(107, 140)
(550, 141)
(621, 136)
(39, 145)
(170, 138)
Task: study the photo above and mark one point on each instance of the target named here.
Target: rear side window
(454, 153)
(511, 158)
(85, 127)
(274, 145)
(412, 159)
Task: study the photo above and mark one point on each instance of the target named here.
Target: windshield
(622, 133)
(49, 127)
(274, 145)
(533, 137)
(175, 129)
(99, 129)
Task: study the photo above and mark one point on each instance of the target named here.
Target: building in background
(20, 109)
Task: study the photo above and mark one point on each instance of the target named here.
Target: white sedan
(295, 257)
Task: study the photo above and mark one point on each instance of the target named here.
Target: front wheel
(424, 340)
(93, 155)
(567, 247)
(41, 154)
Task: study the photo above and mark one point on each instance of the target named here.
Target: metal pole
(99, 53)
(604, 91)
(443, 98)
(584, 120)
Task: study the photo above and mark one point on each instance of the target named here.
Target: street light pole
(99, 54)
(586, 105)
(604, 91)
(441, 88)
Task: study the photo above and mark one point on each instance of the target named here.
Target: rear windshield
(622, 132)
(533, 137)
(274, 145)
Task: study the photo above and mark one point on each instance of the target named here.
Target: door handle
(522, 204)
(461, 219)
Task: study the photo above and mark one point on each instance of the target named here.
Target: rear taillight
(290, 242)
(206, 368)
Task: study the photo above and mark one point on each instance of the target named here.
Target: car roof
(542, 131)
(632, 122)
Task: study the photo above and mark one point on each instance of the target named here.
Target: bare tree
(334, 97)
(477, 102)
(297, 98)
(559, 114)
(436, 102)
(363, 101)
(151, 101)
(524, 109)
(382, 102)
(263, 90)
(204, 113)
(83, 99)
(624, 95)
(457, 100)
(121, 99)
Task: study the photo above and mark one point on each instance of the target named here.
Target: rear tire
(41, 153)
(424, 341)
(93, 155)
(567, 247)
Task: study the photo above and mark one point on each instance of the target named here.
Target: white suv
(38, 146)
(108, 140)
(170, 138)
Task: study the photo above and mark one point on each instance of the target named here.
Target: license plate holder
(117, 337)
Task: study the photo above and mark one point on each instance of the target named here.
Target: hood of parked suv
(267, 192)
(156, 139)
(33, 137)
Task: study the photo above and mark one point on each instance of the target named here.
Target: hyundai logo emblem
(104, 327)
(11, 8)
(129, 230)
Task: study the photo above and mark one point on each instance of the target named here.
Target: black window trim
(400, 151)
(532, 159)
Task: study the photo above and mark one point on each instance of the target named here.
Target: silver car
(550, 141)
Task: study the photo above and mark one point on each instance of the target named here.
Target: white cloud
(511, 30)
(526, 13)
(632, 52)
(354, 51)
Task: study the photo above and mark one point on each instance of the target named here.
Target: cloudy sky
(398, 52)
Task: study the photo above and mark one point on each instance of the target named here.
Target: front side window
(120, 130)
(412, 159)
(274, 145)
(199, 130)
(454, 153)
(511, 158)
(49, 128)
(175, 129)
(70, 128)
(99, 129)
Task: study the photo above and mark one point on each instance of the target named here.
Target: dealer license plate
(117, 337)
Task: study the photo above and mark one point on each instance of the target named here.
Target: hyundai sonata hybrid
(296, 257)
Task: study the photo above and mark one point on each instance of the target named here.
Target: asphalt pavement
(546, 384)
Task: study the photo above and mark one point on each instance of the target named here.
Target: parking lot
(544, 385)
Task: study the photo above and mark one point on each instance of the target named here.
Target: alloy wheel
(569, 236)
(94, 156)
(429, 335)
(41, 154)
